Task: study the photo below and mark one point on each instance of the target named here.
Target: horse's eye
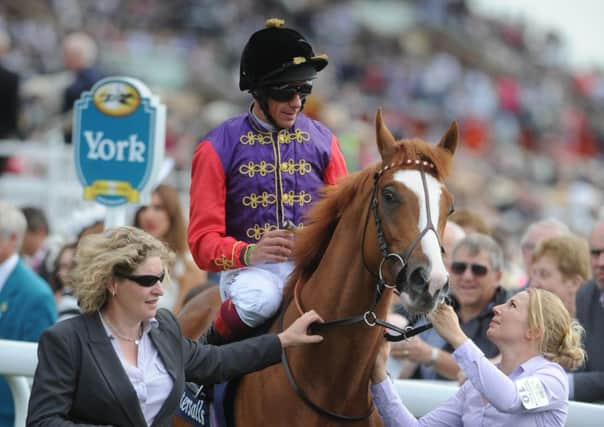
(388, 195)
(451, 210)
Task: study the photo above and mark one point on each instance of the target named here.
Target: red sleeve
(210, 247)
(337, 165)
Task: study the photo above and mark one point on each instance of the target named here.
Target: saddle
(212, 405)
(195, 407)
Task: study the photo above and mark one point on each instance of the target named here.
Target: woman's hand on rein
(297, 333)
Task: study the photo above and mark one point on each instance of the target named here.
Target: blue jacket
(27, 308)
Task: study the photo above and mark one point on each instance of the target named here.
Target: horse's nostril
(418, 279)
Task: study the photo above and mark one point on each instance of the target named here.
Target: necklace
(136, 341)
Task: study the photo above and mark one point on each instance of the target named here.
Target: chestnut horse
(196, 316)
(377, 229)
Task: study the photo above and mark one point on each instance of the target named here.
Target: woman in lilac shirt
(536, 337)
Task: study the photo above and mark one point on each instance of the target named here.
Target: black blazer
(589, 381)
(80, 380)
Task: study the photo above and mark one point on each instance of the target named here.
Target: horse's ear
(385, 141)
(449, 140)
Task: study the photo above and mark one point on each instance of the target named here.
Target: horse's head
(410, 204)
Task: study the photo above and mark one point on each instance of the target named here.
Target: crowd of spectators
(531, 126)
(531, 131)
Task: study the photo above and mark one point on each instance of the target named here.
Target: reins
(368, 317)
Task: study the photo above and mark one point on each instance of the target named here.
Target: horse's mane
(312, 240)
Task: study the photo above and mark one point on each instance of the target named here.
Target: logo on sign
(116, 126)
(117, 98)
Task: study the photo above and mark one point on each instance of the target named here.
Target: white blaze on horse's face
(413, 181)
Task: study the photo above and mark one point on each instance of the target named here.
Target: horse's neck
(341, 287)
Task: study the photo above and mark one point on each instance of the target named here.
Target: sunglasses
(145, 280)
(287, 92)
(477, 269)
(596, 252)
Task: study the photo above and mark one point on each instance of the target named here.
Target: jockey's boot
(227, 326)
(212, 337)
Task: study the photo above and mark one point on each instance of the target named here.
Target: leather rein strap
(302, 394)
(371, 320)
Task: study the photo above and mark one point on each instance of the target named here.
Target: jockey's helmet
(275, 55)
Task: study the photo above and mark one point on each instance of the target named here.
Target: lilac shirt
(467, 408)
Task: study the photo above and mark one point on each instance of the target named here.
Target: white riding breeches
(256, 291)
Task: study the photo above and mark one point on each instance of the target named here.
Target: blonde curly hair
(100, 257)
(561, 334)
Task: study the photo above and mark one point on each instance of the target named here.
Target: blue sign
(118, 138)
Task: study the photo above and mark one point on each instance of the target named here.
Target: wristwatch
(433, 357)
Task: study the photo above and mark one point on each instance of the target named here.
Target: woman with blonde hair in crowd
(561, 265)
(164, 219)
(123, 361)
(537, 338)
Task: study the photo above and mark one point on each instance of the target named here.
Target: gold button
(284, 166)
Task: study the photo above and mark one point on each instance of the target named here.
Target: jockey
(255, 175)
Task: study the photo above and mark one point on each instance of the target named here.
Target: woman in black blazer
(122, 362)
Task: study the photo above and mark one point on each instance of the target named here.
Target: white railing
(48, 179)
(421, 396)
(18, 362)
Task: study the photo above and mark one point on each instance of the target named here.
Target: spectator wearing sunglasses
(255, 176)
(587, 385)
(123, 361)
(475, 272)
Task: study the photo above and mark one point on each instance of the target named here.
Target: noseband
(369, 317)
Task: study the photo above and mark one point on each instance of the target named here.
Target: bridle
(369, 317)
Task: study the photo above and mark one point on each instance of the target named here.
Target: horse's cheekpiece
(194, 405)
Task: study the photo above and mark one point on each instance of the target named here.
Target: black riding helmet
(276, 55)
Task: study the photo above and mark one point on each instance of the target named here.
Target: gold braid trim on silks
(291, 167)
(263, 168)
(302, 198)
(224, 262)
(298, 135)
(251, 138)
(284, 137)
(257, 231)
(259, 200)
